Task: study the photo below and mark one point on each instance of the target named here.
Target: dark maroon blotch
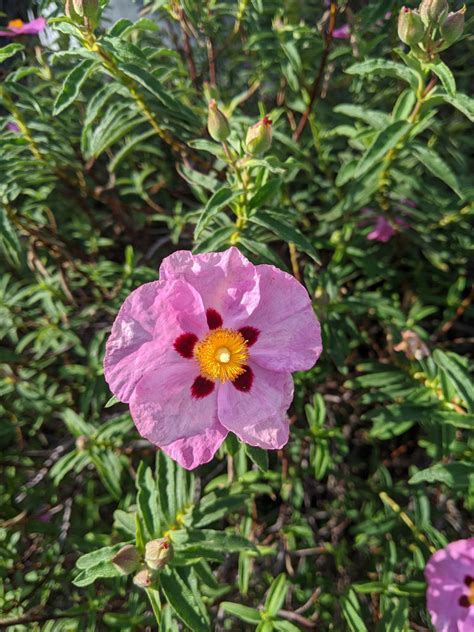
(184, 345)
(464, 601)
(214, 319)
(468, 580)
(250, 334)
(244, 382)
(201, 387)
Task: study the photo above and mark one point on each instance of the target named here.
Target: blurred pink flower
(450, 595)
(383, 230)
(210, 348)
(13, 127)
(18, 27)
(343, 32)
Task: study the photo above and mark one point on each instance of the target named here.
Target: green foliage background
(111, 171)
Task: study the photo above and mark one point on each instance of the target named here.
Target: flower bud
(453, 26)
(158, 553)
(127, 560)
(81, 443)
(259, 137)
(144, 578)
(88, 8)
(217, 123)
(410, 27)
(433, 11)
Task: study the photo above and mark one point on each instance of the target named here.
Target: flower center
(471, 593)
(468, 600)
(16, 24)
(222, 355)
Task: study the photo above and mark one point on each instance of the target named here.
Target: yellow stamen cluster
(16, 24)
(221, 355)
(471, 594)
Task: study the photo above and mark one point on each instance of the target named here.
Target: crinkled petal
(226, 281)
(164, 409)
(290, 334)
(149, 321)
(258, 417)
(445, 573)
(191, 452)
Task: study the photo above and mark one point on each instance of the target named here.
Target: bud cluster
(259, 136)
(430, 28)
(158, 553)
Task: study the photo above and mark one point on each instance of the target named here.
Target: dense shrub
(364, 194)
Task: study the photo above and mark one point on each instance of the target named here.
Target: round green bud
(217, 123)
(433, 11)
(453, 26)
(411, 29)
(259, 137)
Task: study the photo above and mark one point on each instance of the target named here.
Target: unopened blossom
(450, 595)
(384, 229)
(210, 348)
(343, 32)
(13, 127)
(18, 27)
(412, 346)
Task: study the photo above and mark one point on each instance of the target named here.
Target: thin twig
(319, 77)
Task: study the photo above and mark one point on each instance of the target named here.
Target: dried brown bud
(412, 346)
(158, 553)
(82, 442)
(144, 578)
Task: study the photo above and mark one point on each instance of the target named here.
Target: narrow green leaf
(244, 613)
(461, 102)
(352, 613)
(458, 375)
(112, 401)
(383, 142)
(147, 500)
(72, 85)
(438, 167)
(445, 75)
(257, 456)
(8, 51)
(454, 475)
(374, 67)
(276, 595)
(181, 598)
(218, 200)
(286, 232)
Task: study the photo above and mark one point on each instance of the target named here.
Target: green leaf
(352, 613)
(461, 102)
(455, 419)
(285, 626)
(218, 200)
(458, 375)
(153, 85)
(244, 613)
(8, 51)
(215, 506)
(276, 595)
(147, 500)
(181, 598)
(9, 242)
(438, 167)
(445, 75)
(457, 475)
(72, 85)
(112, 401)
(257, 456)
(75, 460)
(383, 142)
(286, 232)
(374, 67)
(104, 554)
(99, 571)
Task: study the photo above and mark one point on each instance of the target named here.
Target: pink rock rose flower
(343, 32)
(450, 595)
(18, 27)
(210, 348)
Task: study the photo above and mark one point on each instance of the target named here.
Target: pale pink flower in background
(383, 230)
(412, 346)
(18, 27)
(343, 32)
(450, 594)
(13, 127)
(210, 348)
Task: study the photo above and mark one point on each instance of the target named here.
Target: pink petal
(225, 280)
(468, 624)
(383, 230)
(163, 408)
(258, 416)
(290, 335)
(445, 573)
(342, 32)
(34, 27)
(198, 449)
(148, 323)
